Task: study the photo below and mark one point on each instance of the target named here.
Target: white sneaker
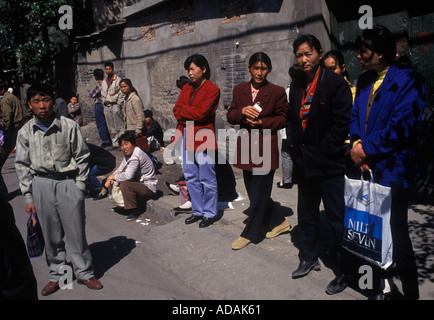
(186, 205)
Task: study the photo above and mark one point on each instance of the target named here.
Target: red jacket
(273, 115)
(201, 110)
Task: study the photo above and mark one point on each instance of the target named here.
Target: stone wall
(159, 35)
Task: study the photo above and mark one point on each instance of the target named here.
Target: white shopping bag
(367, 231)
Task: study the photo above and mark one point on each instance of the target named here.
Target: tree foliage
(24, 37)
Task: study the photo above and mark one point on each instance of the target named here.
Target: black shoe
(285, 185)
(338, 284)
(169, 187)
(90, 194)
(133, 215)
(192, 219)
(206, 222)
(100, 196)
(305, 267)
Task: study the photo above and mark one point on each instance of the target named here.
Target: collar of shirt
(380, 77)
(254, 92)
(38, 125)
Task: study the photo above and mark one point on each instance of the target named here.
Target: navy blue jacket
(390, 140)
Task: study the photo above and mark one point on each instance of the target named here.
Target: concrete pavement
(203, 258)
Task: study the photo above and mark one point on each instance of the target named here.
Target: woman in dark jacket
(317, 126)
(257, 150)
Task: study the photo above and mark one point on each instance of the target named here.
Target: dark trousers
(261, 218)
(101, 123)
(17, 280)
(310, 193)
(135, 194)
(403, 254)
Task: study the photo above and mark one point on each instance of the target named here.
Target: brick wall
(182, 19)
(232, 10)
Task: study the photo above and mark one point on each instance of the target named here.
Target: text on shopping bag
(363, 233)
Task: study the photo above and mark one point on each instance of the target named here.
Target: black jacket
(319, 151)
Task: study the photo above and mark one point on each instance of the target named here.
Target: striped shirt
(96, 93)
(137, 167)
(58, 149)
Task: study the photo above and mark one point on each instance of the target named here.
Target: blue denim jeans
(200, 177)
(93, 182)
(101, 123)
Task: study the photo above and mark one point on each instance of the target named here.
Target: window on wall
(232, 10)
(182, 19)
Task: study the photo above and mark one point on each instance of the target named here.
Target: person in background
(134, 120)
(75, 110)
(17, 280)
(258, 176)
(60, 106)
(287, 164)
(334, 61)
(135, 175)
(98, 109)
(101, 163)
(197, 103)
(27, 113)
(112, 100)
(51, 162)
(318, 117)
(153, 132)
(384, 136)
(11, 120)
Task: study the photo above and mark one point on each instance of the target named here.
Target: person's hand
(255, 123)
(250, 112)
(358, 155)
(29, 209)
(109, 181)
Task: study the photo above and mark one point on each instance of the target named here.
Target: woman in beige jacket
(134, 117)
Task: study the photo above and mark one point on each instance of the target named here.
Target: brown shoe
(50, 288)
(91, 283)
(284, 227)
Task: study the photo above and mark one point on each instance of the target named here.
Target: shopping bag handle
(371, 176)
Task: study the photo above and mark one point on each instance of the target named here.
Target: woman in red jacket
(257, 149)
(195, 113)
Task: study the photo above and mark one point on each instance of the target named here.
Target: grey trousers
(114, 119)
(60, 208)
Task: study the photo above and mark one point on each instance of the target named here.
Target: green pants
(60, 208)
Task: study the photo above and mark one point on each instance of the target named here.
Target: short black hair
(41, 89)
(98, 74)
(128, 136)
(379, 39)
(310, 39)
(148, 113)
(200, 61)
(109, 64)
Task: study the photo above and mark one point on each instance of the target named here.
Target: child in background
(153, 132)
(74, 110)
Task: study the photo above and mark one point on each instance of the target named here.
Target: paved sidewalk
(203, 258)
